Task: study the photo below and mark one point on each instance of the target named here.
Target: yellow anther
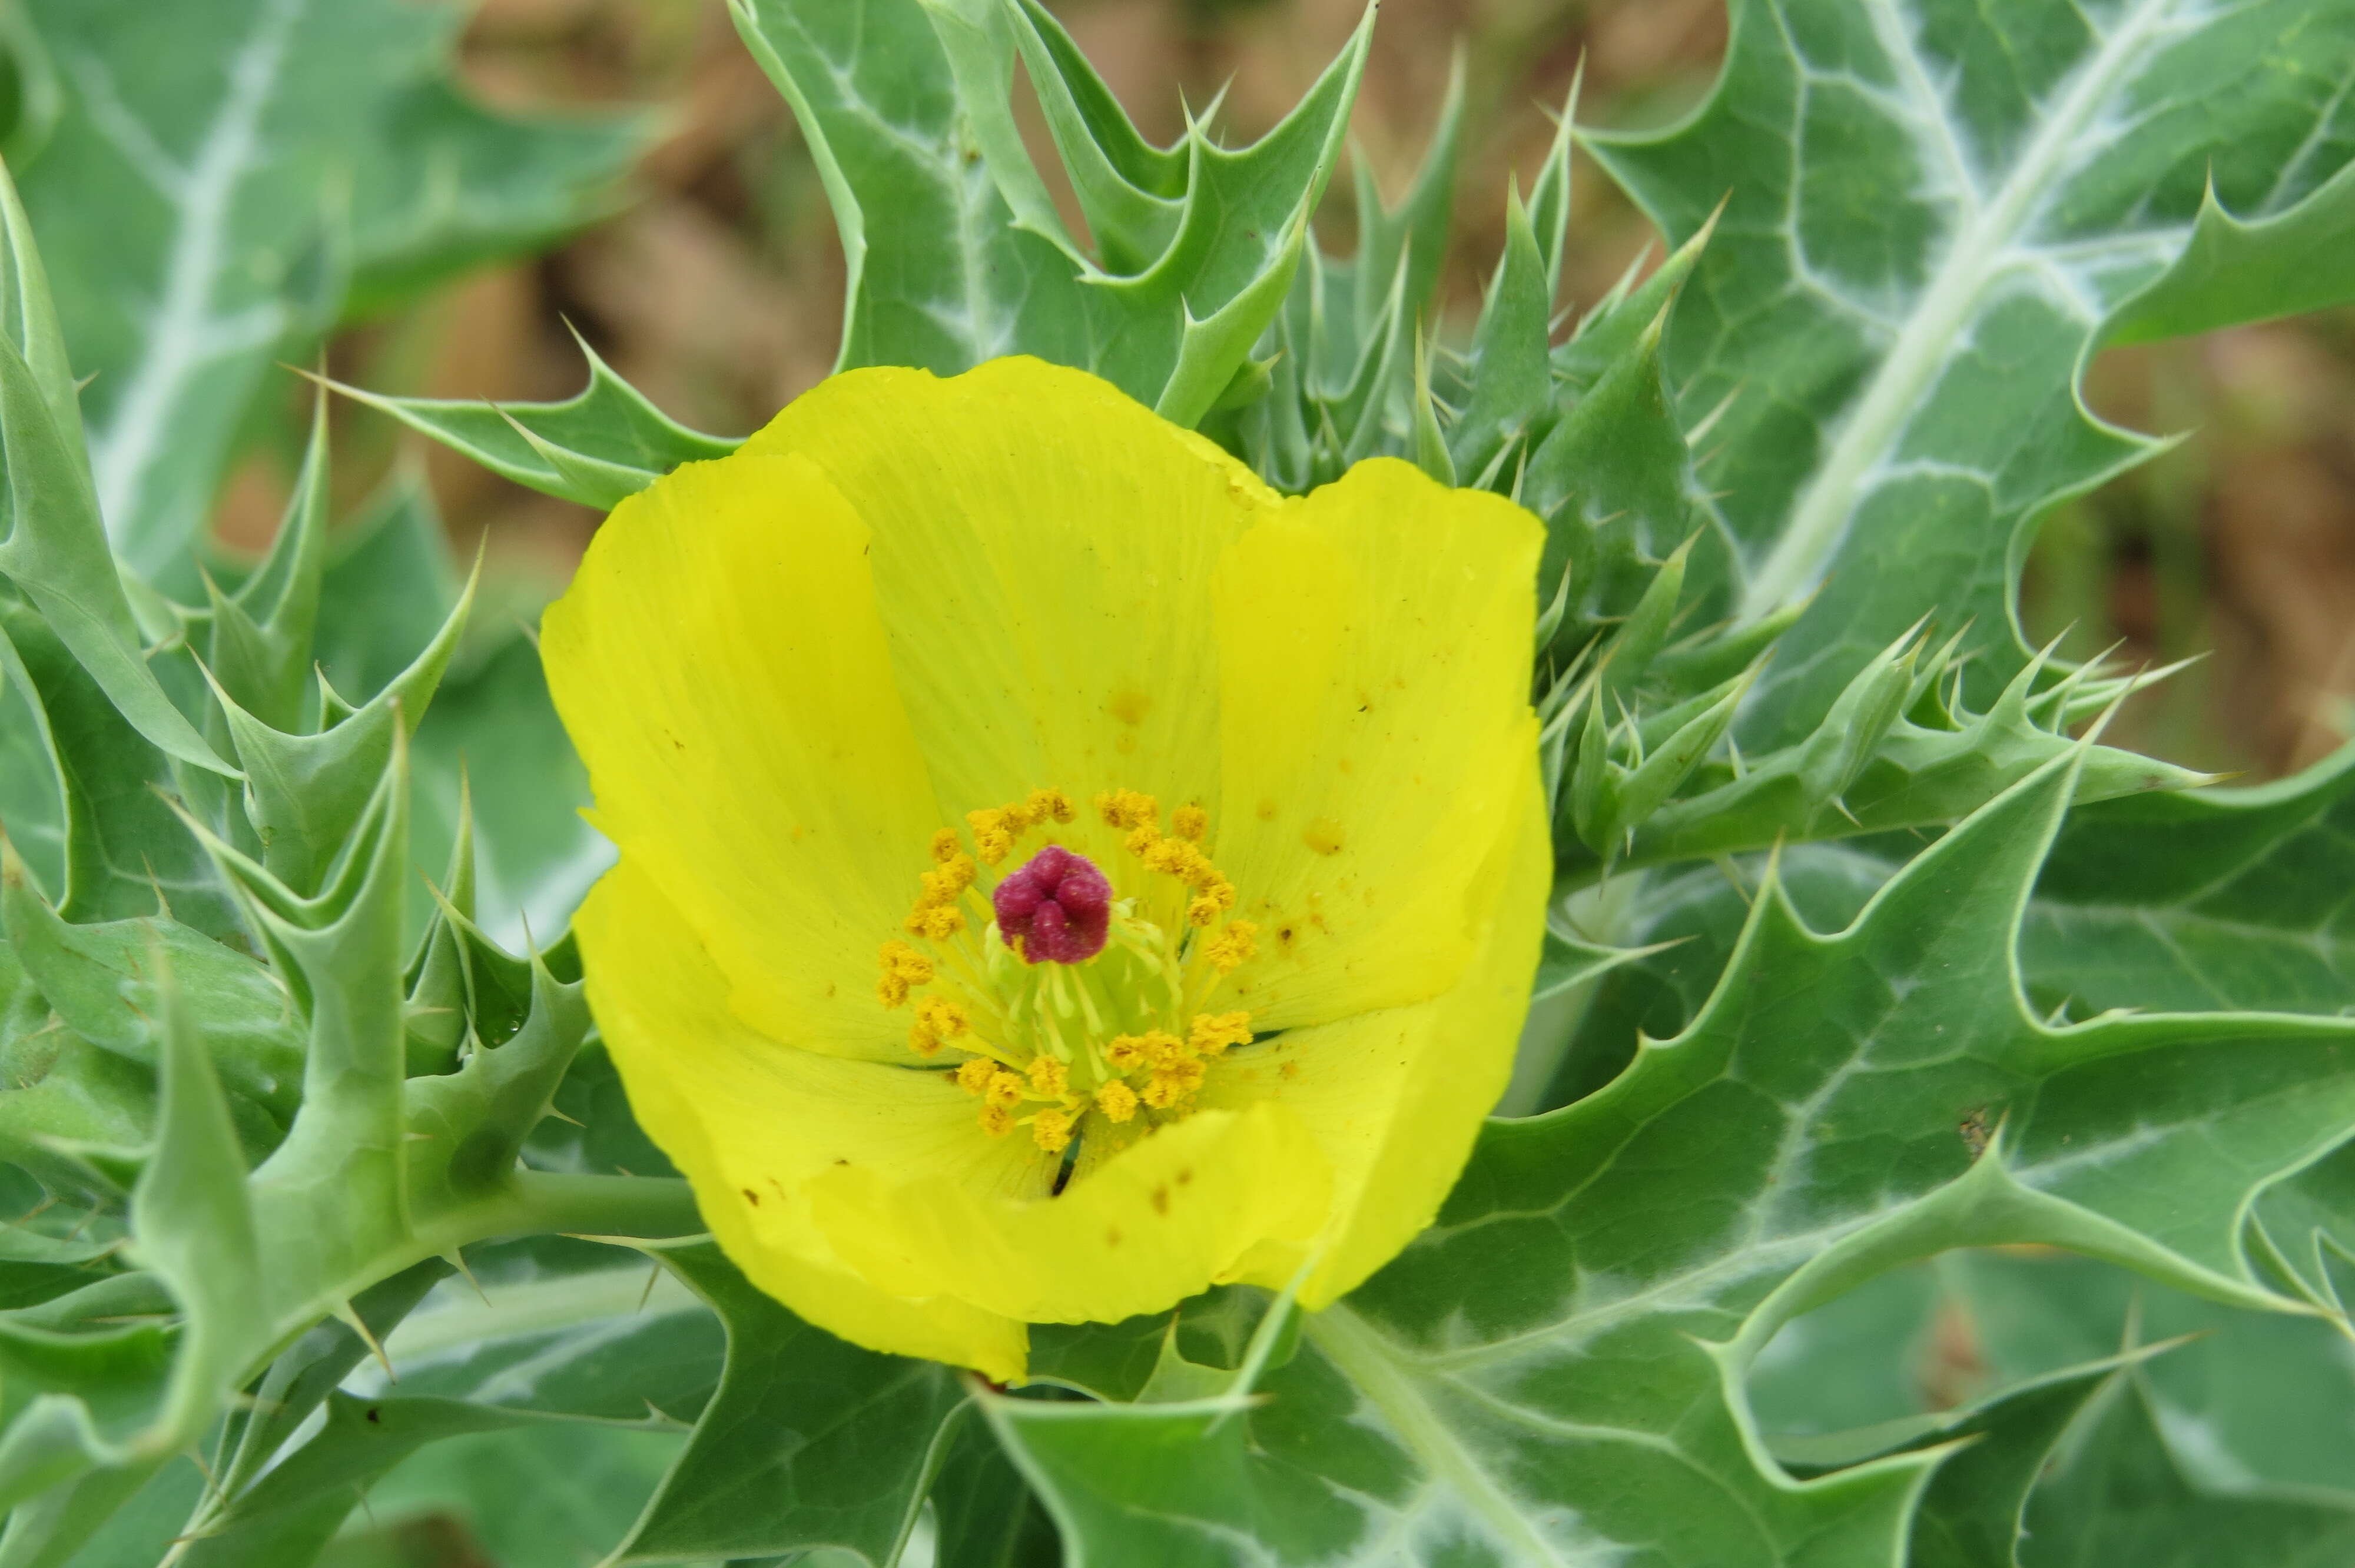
(1189, 822)
(937, 921)
(1004, 1090)
(1132, 1052)
(1142, 841)
(1202, 911)
(945, 847)
(1186, 862)
(1214, 1031)
(1233, 946)
(942, 1017)
(921, 1040)
(1172, 1084)
(902, 967)
(1049, 803)
(1116, 1100)
(1127, 808)
(1052, 1130)
(975, 1075)
(953, 876)
(992, 834)
(997, 1120)
(1051, 1077)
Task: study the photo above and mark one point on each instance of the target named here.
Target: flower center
(1081, 1009)
(1057, 909)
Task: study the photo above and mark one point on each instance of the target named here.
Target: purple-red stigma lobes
(1055, 909)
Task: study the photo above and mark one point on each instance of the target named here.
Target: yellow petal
(1044, 549)
(1395, 1099)
(750, 1123)
(1377, 734)
(1199, 1202)
(720, 663)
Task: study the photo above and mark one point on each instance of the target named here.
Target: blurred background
(715, 285)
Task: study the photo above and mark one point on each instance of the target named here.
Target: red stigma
(1056, 909)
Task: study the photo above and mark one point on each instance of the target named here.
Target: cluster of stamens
(1074, 1007)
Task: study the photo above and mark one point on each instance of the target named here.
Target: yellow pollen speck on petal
(1214, 1031)
(1052, 1130)
(945, 847)
(1323, 835)
(1117, 1101)
(1189, 822)
(1234, 946)
(975, 1075)
(1128, 809)
(1050, 1076)
(997, 1120)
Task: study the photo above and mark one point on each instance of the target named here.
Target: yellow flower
(953, 727)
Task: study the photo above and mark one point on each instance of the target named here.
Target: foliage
(1933, 1133)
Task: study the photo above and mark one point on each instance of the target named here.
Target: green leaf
(603, 443)
(554, 1495)
(986, 1516)
(54, 547)
(303, 1375)
(2214, 898)
(2232, 271)
(124, 852)
(1934, 212)
(449, 185)
(559, 1329)
(495, 729)
(1892, 752)
(955, 253)
(2118, 1496)
(491, 735)
(808, 1442)
(389, 588)
(102, 984)
(223, 174)
(290, 1513)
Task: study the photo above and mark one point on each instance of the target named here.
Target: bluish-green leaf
(1932, 210)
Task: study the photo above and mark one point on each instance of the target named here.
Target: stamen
(1042, 1024)
(1214, 1031)
(1052, 1130)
